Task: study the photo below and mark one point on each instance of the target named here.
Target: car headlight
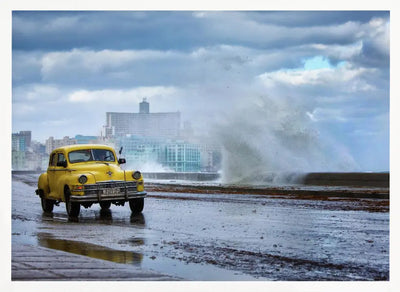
(82, 179)
(136, 175)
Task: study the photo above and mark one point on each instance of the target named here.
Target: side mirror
(121, 160)
(62, 163)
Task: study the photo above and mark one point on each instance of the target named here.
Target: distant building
(144, 123)
(157, 139)
(141, 150)
(182, 157)
(27, 154)
(21, 141)
(36, 155)
(38, 147)
(144, 107)
(52, 143)
(20, 144)
(168, 154)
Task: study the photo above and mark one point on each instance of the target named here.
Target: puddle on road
(90, 250)
(133, 241)
(188, 271)
(195, 271)
(94, 217)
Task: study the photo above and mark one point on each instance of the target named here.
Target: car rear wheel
(73, 208)
(136, 205)
(105, 205)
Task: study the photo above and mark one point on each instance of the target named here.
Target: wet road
(217, 236)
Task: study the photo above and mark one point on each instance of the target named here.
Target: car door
(54, 173)
(51, 172)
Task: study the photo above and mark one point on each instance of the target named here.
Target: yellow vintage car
(82, 175)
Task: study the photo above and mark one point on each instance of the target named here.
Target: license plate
(111, 192)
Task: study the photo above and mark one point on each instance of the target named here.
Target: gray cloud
(206, 65)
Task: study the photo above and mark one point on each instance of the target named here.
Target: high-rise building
(144, 123)
(144, 107)
(21, 141)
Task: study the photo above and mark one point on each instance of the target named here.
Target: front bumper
(107, 191)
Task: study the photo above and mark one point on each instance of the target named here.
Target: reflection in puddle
(101, 216)
(104, 216)
(132, 241)
(138, 219)
(90, 250)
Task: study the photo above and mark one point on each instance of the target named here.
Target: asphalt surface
(202, 236)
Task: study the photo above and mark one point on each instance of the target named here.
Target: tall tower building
(144, 107)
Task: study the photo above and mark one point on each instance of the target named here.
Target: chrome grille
(130, 186)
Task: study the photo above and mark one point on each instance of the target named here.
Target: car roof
(83, 146)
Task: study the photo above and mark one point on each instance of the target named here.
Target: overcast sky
(325, 74)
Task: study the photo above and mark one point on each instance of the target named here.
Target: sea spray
(271, 140)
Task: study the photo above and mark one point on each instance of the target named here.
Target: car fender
(71, 179)
(129, 177)
(43, 183)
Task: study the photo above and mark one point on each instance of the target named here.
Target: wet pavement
(47, 264)
(204, 236)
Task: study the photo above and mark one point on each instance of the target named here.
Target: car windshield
(91, 155)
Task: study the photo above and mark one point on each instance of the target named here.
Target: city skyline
(321, 75)
(150, 125)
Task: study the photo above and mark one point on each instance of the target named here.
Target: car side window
(61, 157)
(53, 160)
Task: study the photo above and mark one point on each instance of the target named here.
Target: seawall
(351, 179)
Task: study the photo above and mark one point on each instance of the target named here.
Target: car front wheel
(73, 208)
(136, 205)
(47, 205)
